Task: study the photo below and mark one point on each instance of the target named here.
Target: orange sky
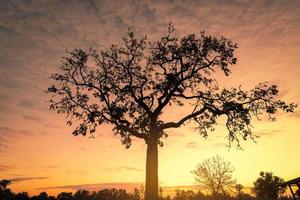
(37, 149)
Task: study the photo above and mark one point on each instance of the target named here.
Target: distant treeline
(266, 187)
(121, 194)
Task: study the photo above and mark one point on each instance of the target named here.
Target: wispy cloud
(221, 144)
(27, 103)
(52, 126)
(124, 168)
(129, 169)
(21, 179)
(4, 168)
(48, 167)
(269, 132)
(6, 130)
(96, 186)
(7, 135)
(191, 145)
(32, 118)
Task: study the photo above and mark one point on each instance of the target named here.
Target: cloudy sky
(38, 151)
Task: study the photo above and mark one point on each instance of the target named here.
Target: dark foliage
(114, 194)
(130, 86)
(268, 186)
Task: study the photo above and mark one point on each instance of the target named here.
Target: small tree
(130, 86)
(5, 192)
(22, 196)
(81, 195)
(215, 174)
(268, 186)
(184, 195)
(239, 192)
(65, 196)
(4, 183)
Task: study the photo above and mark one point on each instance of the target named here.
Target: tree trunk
(151, 189)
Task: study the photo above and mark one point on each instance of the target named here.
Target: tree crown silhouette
(215, 174)
(268, 186)
(131, 85)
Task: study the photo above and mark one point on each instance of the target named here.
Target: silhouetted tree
(184, 195)
(22, 196)
(240, 195)
(130, 86)
(51, 198)
(268, 186)
(4, 183)
(5, 193)
(113, 194)
(245, 196)
(239, 192)
(42, 196)
(137, 194)
(215, 174)
(82, 195)
(65, 196)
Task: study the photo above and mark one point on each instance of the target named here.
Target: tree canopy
(129, 86)
(268, 186)
(215, 174)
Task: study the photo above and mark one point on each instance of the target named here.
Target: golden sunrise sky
(39, 153)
